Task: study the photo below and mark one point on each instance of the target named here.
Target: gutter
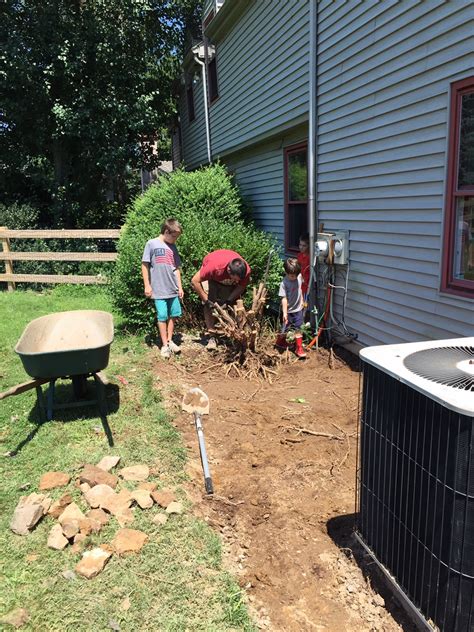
(197, 54)
(313, 219)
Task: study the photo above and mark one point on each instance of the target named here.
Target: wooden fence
(9, 257)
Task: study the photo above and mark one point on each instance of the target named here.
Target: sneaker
(165, 352)
(174, 348)
(211, 344)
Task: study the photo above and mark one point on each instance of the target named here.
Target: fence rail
(8, 256)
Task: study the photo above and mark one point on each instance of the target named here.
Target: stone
(98, 495)
(16, 618)
(142, 498)
(129, 541)
(92, 562)
(72, 512)
(93, 475)
(71, 528)
(148, 486)
(98, 518)
(108, 462)
(80, 537)
(58, 506)
(174, 508)
(25, 517)
(124, 517)
(56, 538)
(84, 487)
(135, 473)
(36, 499)
(160, 519)
(50, 480)
(85, 526)
(116, 503)
(163, 497)
(125, 605)
(69, 575)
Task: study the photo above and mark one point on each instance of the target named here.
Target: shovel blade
(195, 401)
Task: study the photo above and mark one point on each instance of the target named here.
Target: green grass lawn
(177, 581)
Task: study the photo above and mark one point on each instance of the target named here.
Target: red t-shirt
(303, 260)
(214, 267)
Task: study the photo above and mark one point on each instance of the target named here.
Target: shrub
(208, 205)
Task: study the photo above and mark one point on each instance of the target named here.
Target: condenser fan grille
(451, 366)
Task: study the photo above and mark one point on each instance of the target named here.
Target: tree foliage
(86, 89)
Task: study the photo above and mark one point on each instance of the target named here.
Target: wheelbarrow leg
(102, 403)
(40, 402)
(49, 412)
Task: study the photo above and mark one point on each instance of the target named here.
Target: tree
(87, 90)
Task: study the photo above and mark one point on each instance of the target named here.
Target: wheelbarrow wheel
(79, 385)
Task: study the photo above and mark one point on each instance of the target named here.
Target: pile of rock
(99, 490)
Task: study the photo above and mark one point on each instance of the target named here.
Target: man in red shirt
(223, 277)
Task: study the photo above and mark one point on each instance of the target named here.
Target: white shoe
(211, 344)
(165, 352)
(174, 348)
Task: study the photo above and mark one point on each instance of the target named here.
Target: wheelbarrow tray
(66, 344)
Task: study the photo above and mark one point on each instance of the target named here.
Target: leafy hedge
(208, 205)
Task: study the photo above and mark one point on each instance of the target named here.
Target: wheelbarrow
(64, 345)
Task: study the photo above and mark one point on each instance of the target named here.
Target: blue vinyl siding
(383, 83)
(384, 73)
(263, 73)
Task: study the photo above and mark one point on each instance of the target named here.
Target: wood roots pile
(242, 327)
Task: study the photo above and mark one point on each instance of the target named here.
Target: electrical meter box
(338, 241)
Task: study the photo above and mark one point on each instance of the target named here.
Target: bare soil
(284, 499)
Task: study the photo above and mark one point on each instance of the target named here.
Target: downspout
(206, 105)
(312, 154)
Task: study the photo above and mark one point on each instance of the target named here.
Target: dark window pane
(297, 223)
(190, 101)
(297, 176)
(213, 90)
(466, 142)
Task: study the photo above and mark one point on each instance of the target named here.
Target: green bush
(208, 205)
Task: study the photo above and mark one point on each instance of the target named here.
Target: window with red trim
(296, 194)
(458, 258)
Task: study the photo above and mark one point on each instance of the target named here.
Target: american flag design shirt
(164, 260)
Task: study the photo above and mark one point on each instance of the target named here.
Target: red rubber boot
(299, 347)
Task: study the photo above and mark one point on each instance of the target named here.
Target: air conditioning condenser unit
(416, 475)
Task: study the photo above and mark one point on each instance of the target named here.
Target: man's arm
(197, 287)
(236, 293)
(146, 278)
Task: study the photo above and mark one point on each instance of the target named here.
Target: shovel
(197, 402)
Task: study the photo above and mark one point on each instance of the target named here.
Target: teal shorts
(167, 308)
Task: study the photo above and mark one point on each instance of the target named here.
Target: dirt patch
(284, 498)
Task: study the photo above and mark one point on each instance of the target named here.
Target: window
(296, 195)
(212, 74)
(190, 100)
(458, 259)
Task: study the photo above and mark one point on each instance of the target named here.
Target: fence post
(8, 264)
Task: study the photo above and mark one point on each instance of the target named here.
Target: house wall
(262, 69)
(384, 73)
(259, 175)
(193, 134)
